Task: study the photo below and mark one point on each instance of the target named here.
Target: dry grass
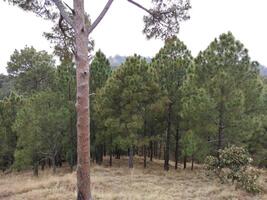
(120, 183)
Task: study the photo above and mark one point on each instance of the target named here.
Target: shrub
(233, 164)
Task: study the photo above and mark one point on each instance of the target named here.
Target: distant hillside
(117, 60)
(263, 70)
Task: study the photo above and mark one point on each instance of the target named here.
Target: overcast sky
(120, 32)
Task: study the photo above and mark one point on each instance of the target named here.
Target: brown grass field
(120, 183)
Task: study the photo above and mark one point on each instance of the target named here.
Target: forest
(175, 107)
(198, 112)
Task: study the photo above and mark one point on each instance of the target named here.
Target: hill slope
(120, 183)
(263, 70)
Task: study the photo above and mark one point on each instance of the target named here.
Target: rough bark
(168, 136)
(82, 102)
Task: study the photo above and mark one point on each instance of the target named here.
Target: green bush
(233, 164)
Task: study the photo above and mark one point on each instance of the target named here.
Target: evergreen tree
(41, 125)
(232, 82)
(100, 71)
(32, 70)
(125, 102)
(9, 107)
(171, 64)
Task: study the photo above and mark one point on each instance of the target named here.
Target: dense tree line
(175, 107)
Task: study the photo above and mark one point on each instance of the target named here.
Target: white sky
(120, 32)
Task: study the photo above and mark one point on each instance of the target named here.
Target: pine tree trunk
(42, 165)
(117, 153)
(94, 156)
(54, 164)
(155, 146)
(160, 150)
(35, 169)
(220, 135)
(144, 147)
(145, 154)
(71, 128)
(49, 163)
(177, 136)
(82, 102)
(104, 150)
(110, 158)
(168, 136)
(151, 150)
(101, 153)
(110, 151)
(192, 163)
(185, 160)
(130, 162)
(221, 123)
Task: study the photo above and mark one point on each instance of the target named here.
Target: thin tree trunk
(82, 103)
(110, 151)
(185, 160)
(177, 136)
(221, 123)
(71, 128)
(119, 154)
(145, 154)
(160, 150)
(155, 146)
(49, 162)
(168, 136)
(110, 158)
(59, 160)
(101, 153)
(151, 150)
(54, 164)
(220, 134)
(144, 147)
(192, 163)
(35, 169)
(94, 155)
(104, 150)
(43, 165)
(130, 162)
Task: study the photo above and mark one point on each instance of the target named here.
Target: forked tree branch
(63, 12)
(100, 17)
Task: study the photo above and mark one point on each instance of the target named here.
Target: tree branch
(140, 6)
(63, 12)
(71, 9)
(100, 17)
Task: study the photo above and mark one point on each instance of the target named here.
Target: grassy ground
(120, 183)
